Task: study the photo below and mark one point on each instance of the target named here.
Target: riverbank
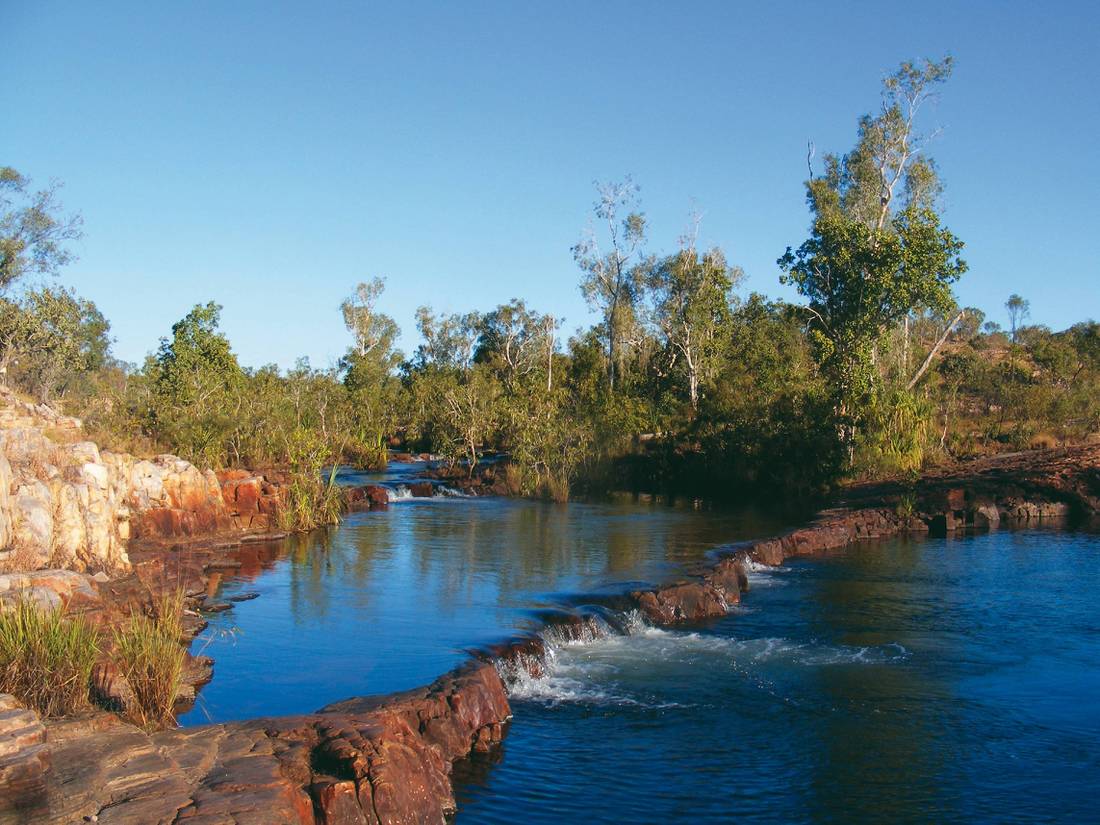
(1043, 487)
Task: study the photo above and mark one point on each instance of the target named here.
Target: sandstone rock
(687, 602)
(422, 489)
(24, 763)
(374, 496)
(987, 515)
(373, 760)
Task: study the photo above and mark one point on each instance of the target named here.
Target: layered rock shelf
(66, 504)
(359, 762)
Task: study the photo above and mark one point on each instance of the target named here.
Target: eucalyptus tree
(374, 333)
(611, 275)
(1018, 311)
(449, 341)
(518, 342)
(877, 250)
(691, 294)
(368, 374)
(453, 398)
(34, 234)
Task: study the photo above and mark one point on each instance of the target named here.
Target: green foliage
(45, 659)
(875, 254)
(51, 341)
(612, 271)
(691, 306)
(194, 378)
(896, 436)
(150, 653)
(310, 500)
(33, 233)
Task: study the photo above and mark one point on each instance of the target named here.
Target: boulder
(422, 489)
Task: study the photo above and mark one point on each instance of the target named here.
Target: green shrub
(46, 660)
(310, 501)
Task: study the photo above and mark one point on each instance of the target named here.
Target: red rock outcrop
(366, 761)
(251, 501)
(372, 496)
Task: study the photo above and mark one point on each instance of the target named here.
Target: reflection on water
(392, 599)
(907, 681)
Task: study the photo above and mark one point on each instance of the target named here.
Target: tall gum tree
(877, 250)
(691, 293)
(611, 272)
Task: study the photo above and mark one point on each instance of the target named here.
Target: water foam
(602, 662)
(764, 575)
(399, 493)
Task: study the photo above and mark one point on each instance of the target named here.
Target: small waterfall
(401, 492)
(526, 665)
(532, 657)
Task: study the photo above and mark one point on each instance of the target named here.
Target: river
(946, 680)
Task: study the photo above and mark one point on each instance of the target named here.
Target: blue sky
(268, 156)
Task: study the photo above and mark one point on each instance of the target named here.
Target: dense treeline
(684, 383)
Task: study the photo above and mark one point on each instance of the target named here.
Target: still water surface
(904, 681)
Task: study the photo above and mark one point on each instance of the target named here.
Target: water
(903, 681)
(906, 681)
(392, 599)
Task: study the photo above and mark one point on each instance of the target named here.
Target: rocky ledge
(357, 762)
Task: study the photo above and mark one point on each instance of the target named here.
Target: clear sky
(270, 155)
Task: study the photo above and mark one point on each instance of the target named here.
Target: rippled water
(931, 681)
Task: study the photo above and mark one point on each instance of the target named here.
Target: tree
(68, 338)
(33, 231)
(1018, 311)
(374, 332)
(877, 250)
(691, 306)
(368, 369)
(50, 337)
(449, 340)
(194, 374)
(611, 280)
(516, 342)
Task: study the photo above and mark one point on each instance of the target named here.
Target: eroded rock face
(368, 760)
(64, 503)
(370, 496)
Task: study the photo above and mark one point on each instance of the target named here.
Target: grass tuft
(46, 660)
(151, 657)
